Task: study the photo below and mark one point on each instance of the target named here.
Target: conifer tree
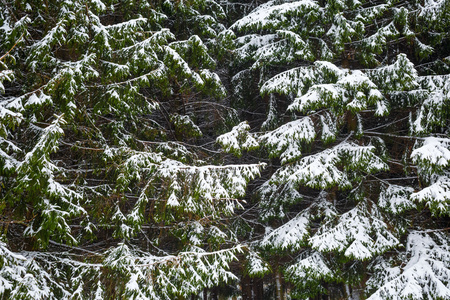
(107, 191)
(130, 131)
(356, 134)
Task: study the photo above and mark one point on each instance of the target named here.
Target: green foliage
(238, 139)
(113, 184)
(336, 78)
(94, 144)
(309, 275)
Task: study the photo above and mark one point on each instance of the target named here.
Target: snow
(289, 235)
(285, 141)
(381, 106)
(358, 251)
(25, 275)
(274, 198)
(289, 82)
(98, 4)
(318, 95)
(435, 83)
(357, 234)
(321, 170)
(430, 113)
(433, 154)
(355, 79)
(185, 124)
(276, 52)
(172, 200)
(329, 129)
(35, 100)
(342, 29)
(6, 28)
(332, 88)
(5, 113)
(426, 274)
(214, 188)
(56, 35)
(256, 266)
(5, 75)
(247, 44)
(266, 15)
(127, 25)
(313, 266)
(169, 181)
(297, 42)
(395, 198)
(172, 56)
(238, 139)
(399, 76)
(9, 163)
(212, 78)
(436, 196)
(433, 10)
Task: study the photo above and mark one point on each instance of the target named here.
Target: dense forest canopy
(213, 149)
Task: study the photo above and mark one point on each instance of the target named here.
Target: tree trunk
(246, 288)
(258, 288)
(278, 286)
(214, 293)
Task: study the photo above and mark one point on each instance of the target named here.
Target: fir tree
(357, 135)
(106, 189)
(130, 132)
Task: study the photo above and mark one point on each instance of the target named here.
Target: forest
(224, 149)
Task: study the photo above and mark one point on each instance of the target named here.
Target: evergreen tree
(357, 135)
(107, 188)
(132, 131)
